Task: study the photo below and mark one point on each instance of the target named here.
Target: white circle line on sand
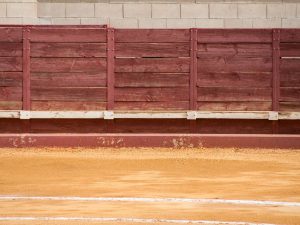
(124, 220)
(150, 200)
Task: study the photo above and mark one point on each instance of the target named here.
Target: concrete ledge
(151, 140)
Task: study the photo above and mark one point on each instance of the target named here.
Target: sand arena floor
(155, 174)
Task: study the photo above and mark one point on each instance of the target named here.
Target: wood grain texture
(152, 35)
(11, 34)
(291, 79)
(234, 64)
(68, 65)
(10, 49)
(10, 94)
(68, 50)
(289, 106)
(152, 50)
(234, 106)
(178, 105)
(68, 126)
(81, 79)
(160, 65)
(289, 65)
(290, 49)
(68, 94)
(151, 80)
(217, 94)
(289, 94)
(234, 79)
(151, 126)
(11, 105)
(151, 94)
(11, 79)
(67, 106)
(289, 35)
(68, 35)
(12, 125)
(11, 64)
(289, 126)
(248, 50)
(234, 36)
(225, 126)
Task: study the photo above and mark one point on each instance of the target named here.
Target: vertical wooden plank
(193, 77)
(193, 70)
(110, 68)
(26, 68)
(276, 76)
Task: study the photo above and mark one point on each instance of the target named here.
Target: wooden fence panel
(84, 67)
(68, 68)
(152, 69)
(234, 70)
(289, 70)
(11, 67)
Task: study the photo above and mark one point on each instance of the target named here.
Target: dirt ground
(240, 174)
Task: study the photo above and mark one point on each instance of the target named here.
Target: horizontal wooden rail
(110, 115)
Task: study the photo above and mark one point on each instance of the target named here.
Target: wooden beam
(190, 115)
(26, 68)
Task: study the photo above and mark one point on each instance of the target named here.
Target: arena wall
(155, 14)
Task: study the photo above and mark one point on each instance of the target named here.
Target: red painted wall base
(151, 140)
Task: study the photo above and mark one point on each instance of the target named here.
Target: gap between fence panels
(110, 115)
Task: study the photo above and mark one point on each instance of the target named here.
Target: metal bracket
(273, 116)
(24, 115)
(191, 115)
(109, 115)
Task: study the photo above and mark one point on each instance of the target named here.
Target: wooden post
(193, 77)
(26, 68)
(276, 75)
(193, 70)
(110, 68)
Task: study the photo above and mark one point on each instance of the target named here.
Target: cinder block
(194, 10)
(21, 10)
(37, 21)
(152, 23)
(252, 11)
(267, 23)
(181, 23)
(290, 11)
(291, 23)
(2, 10)
(210, 23)
(137, 10)
(223, 10)
(80, 10)
(166, 11)
(238, 23)
(124, 23)
(105, 10)
(275, 10)
(66, 21)
(51, 10)
(11, 20)
(94, 21)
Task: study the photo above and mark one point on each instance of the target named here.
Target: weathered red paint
(26, 68)
(193, 70)
(110, 68)
(276, 75)
(151, 140)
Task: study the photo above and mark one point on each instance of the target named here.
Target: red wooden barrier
(98, 68)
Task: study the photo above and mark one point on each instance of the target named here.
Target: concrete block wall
(155, 13)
